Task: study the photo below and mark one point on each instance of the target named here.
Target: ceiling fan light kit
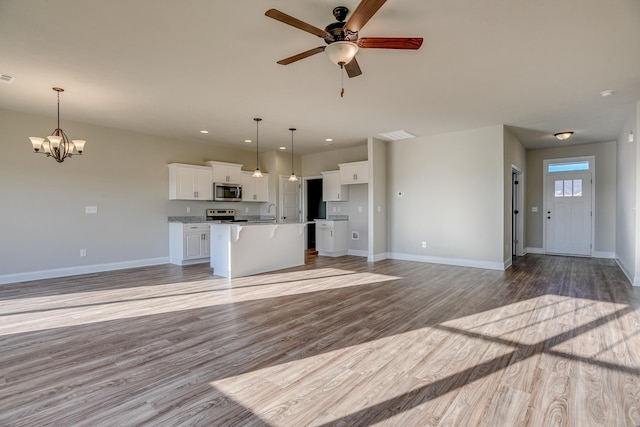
(341, 37)
(341, 53)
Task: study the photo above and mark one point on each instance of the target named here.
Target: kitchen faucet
(275, 209)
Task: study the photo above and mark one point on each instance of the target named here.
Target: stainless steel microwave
(225, 192)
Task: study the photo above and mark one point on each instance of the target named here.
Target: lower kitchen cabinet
(189, 243)
(332, 237)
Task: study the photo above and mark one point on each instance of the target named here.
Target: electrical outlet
(246, 209)
(360, 209)
(355, 235)
(188, 209)
(83, 252)
(424, 244)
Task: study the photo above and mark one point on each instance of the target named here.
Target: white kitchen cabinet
(354, 173)
(224, 172)
(332, 237)
(332, 189)
(190, 182)
(189, 243)
(254, 189)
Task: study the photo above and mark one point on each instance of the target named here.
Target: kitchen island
(242, 249)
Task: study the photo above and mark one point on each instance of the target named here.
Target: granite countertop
(201, 219)
(334, 218)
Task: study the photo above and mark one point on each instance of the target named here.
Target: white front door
(289, 200)
(568, 213)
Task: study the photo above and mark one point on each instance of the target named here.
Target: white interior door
(289, 200)
(568, 213)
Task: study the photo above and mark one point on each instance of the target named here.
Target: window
(568, 188)
(569, 167)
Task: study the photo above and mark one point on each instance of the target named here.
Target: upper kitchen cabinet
(190, 182)
(224, 172)
(254, 189)
(354, 173)
(332, 189)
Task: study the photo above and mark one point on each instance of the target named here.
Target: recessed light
(204, 131)
(283, 148)
(397, 135)
(247, 140)
(607, 92)
(329, 139)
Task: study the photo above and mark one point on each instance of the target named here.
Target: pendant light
(257, 173)
(57, 145)
(293, 176)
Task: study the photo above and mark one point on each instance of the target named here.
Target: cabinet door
(226, 172)
(261, 188)
(323, 238)
(205, 247)
(332, 190)
(254, 189)
(204, 185)
(354, 173)
(193, 245)
(185, 183)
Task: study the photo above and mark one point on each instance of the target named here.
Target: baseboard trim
(357, 252)
(535, 251)
(508, 263)
(74, 271)
(377, 257)
(487, 265)
(606, 255)
(635, 281)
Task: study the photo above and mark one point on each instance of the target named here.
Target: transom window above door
(568, 166)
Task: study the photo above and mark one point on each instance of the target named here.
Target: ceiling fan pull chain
(342, 81)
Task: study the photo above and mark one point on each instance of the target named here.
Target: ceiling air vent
(397, 135)
(6, 78)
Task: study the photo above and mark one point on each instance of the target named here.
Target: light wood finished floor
(552, 341)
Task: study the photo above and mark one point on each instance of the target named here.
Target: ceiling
(173, 68)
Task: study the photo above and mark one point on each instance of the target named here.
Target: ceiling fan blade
(390, 42)
(295, 22)
(365, 10)
(302, 55)
(353, 69)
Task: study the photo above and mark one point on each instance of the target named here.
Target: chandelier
(57, 145)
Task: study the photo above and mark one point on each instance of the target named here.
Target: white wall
(453, 187)
(378, 233)
(628, 187)
(315, 164)
(43, 224)
(604, 241)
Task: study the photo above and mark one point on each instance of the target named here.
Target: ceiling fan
(342, 37)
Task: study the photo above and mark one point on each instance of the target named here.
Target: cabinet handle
(338, 196)
(355, 176)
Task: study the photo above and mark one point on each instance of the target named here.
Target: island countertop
(244, 248)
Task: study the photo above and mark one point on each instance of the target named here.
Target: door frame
(304, 194)
(545, 175)
(517, 248)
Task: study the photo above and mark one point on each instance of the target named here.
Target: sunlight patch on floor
(450, 365)
(63, 310)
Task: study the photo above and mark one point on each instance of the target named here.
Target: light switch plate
(534, 209)
(91, 209)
